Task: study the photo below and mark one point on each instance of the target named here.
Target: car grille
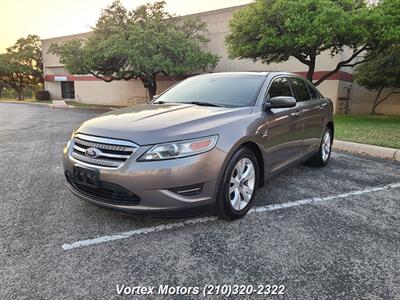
(106, 192)
(102, 152)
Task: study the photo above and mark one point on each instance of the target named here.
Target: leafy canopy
(275, 30)
(382, 72)
(141, 43)
(21, 66)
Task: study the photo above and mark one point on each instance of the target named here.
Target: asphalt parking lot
(323, 233)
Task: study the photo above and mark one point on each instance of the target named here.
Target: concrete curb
(370, 150)
(95, 108)
(66, 106)
(25, 102)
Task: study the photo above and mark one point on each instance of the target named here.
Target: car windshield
(215, 90)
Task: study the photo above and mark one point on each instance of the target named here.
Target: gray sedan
(210, 141)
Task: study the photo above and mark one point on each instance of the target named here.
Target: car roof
(255, 73)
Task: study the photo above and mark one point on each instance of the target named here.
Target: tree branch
(111, 78)
(341, 64)
(370, 57)
(386, 97)
(302, 59)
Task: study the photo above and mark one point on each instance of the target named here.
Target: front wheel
(238, 186)
(321, 158)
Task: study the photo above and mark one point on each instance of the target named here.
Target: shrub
(42, 95)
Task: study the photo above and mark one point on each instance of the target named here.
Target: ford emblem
(92, 152)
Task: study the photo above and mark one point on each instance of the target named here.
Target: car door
(310, 113)
(283, 137)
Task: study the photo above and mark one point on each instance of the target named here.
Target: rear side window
(300, 90)
(280, 87)
(313, 92)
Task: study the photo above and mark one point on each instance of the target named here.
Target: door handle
(295, 114)
(322, 106)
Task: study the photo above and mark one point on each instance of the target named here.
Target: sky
(52, 18)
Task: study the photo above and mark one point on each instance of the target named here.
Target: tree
(275, 30)
(382, 72)
(21, 66)
(138, 44)
(14, 74)
(28, 51)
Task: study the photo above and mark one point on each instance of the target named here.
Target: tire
(321, 158)
(233, 196)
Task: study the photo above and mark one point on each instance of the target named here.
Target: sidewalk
(59, 104)
(370, 150)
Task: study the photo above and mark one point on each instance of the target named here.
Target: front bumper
(155, 182)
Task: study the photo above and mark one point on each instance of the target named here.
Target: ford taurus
(209, 141)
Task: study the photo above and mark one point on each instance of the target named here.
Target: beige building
(346, 95)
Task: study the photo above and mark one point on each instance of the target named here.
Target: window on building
(300, 89)
(67, 90)
(280, 87)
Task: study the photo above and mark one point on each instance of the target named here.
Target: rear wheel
(321, 158)
(239, 184)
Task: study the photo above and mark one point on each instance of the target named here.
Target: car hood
(151, 124)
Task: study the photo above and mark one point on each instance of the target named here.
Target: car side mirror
(280, 102)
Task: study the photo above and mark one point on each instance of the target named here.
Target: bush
(9, 93)
(42, 95)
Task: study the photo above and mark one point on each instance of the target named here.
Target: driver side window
(279, 87)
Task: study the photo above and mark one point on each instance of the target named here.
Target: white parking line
(321, 199)
(127, 234)
(260, 209)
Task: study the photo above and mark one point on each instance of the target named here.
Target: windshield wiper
(203, 103)
(200, 103)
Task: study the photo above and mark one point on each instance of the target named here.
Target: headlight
(180, 149)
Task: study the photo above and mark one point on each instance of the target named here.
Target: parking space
(323, 233)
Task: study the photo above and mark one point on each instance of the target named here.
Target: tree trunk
(152, 88)
(150, 83)
(20, 89)
(376, 102)
(20, 95)
(311, 69)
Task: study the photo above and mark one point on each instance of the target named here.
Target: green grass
(369, 129)
(92, 106)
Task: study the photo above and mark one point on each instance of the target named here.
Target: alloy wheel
(242, 184)
(326, 146)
